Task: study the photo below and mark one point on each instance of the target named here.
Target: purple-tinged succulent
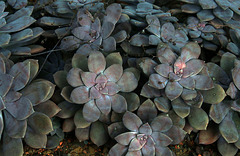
(149, 134)
(91, 34)
(16, 36)
(17, 4)
(224, 11)
(225, 127)
(180, 76)
(97, 85)
(200, 29)
(23, 103)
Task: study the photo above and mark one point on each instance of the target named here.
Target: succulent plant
(17, 4)
(200, 29)
(61, 15)
(180, 76)
(90, 34)
(96, 86)
(149, 134)
(25, 106)
(16, 38)
(217, 11)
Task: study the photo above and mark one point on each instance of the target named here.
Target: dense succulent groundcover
(136, 76)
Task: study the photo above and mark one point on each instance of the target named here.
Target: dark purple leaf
(131, 121)
(91, 113)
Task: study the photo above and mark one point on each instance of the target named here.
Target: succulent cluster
(126, 74)
(26, 110)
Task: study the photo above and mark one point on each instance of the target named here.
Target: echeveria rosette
(220, 11)
(91, 34)
(97, 87)
(149, 138)
(23, 106)
(180, 75)
(201, 30)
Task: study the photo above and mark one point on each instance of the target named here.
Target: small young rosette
(150, 138)
(180, 76)
(97, 85)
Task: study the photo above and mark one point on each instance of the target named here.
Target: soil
(72, 147)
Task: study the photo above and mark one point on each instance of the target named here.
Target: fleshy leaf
(60, 79)
(228, 129)
(147, 111)
(161, 124)
(176, 133)
(163, 70)
(104, 104)
(38, 91)
(119, 103)
(114, 58)
(134, 145)
(68, 125)
(157, 81)
(131, 121)
(14, 128)
(67, 109)
(128, 82)
(219, 111)
(18, 24)
(12, 145)
(90, 111)
(173, 90)
(20, 109)
(21, 74)
(114, 72)
(180, 107)
(40, 123)
(133, 101)
(98, 133)
(198, 118)
(5, 83)
(188, 82)
(145, 129)
(116, 129)
(203, 82)
(2, 66)
(210, 135)
(79, 120)
(153, 25)
(96, 62)
(190, 50)
(148, 148)
(149, 92)
(162, 104)
(35, 140)
(117, 150)
(82, 134)
(163, 151)
(80, 95)
(73, 77)
(215, 95)
(88, 78)
(161, 139)
(225, 148)
(49, 108)
(193, 67)
(236, 77)
(125, 138)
